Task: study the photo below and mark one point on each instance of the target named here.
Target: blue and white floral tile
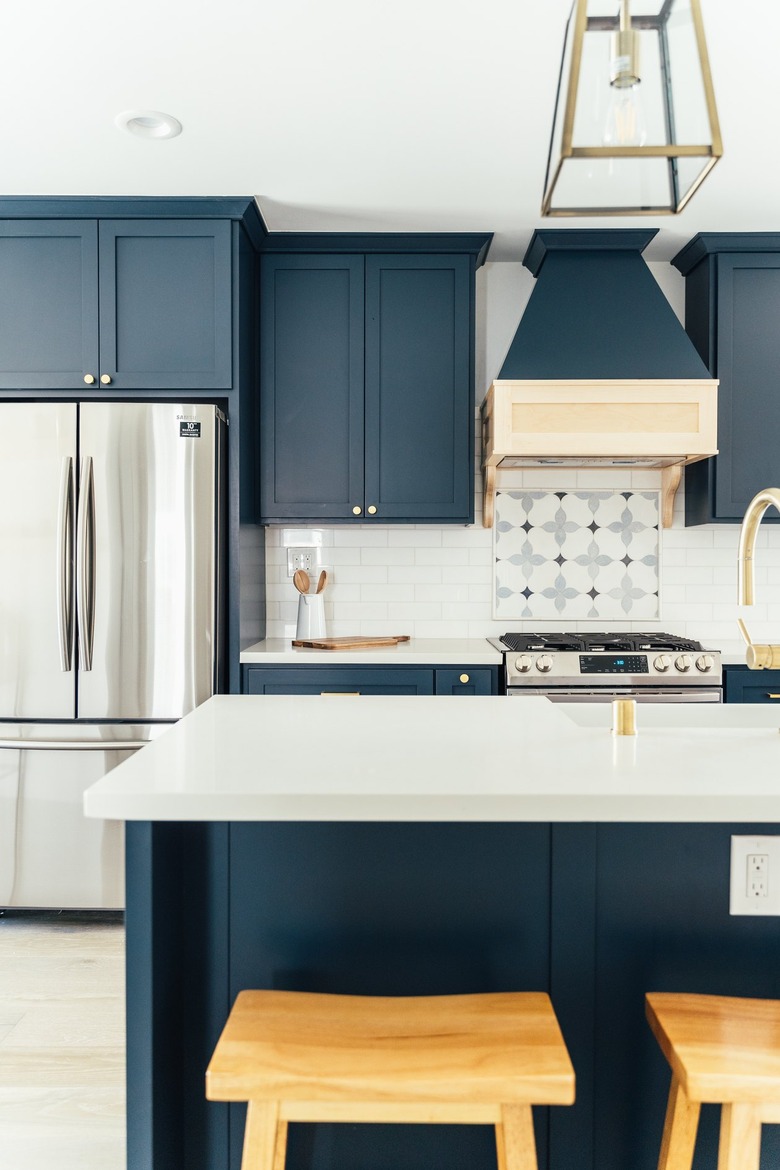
(576, 555)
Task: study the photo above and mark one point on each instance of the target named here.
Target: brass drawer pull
(339, 693)
(464, 678)
(769, 695)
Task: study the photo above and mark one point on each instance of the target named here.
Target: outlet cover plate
(740, 900)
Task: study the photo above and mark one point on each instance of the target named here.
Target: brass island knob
(624, 716)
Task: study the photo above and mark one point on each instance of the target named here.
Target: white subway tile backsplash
(441, 556)
(388, 556)
(414, 538)
(399, 593)
(369, 536)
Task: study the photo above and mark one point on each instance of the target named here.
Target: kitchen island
(428, 845)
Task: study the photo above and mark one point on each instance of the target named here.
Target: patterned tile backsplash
(576, 555)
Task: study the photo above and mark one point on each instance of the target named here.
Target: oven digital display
(613, 664)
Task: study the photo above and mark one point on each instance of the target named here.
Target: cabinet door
(332, 680)
(469, 680)
(311, 346)
(48, 304)
(748, 352)
(752, 686)
(165, 304)
(419, 388)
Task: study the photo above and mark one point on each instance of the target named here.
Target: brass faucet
(757, 657)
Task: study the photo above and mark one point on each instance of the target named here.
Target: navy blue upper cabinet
(311, 386)
(48, 303)
(367, 387)
(165, 304)
(115, 305)
(732, 314)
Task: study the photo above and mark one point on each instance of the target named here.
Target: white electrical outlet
(301, 558)
(755, 875)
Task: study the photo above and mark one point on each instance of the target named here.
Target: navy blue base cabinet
(115, 305)
(370, 680)
(741, 685)
(595, 914)
(732, 314)
(367, 387)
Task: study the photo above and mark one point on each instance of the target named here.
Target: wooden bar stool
(472, 1059)
(725, 1050)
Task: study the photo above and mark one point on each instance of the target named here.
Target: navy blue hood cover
(597, 311)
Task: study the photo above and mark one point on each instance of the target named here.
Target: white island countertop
(415, 652)
(442, 758)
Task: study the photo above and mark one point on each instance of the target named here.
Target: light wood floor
(62, 1044)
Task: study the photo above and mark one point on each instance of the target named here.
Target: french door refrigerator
(111, 620)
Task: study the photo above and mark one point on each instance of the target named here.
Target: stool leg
(515, 1143)
(280, 1153)
(260, 1135)
(740, 1138)
(679, 1137)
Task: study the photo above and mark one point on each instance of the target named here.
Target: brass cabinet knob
(356, 510)
(105, 379)
(372, 510)
(464, 678)
(89, 379)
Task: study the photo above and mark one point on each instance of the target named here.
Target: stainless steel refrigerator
(111, 620)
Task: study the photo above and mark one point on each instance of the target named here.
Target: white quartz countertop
(416, 652)
(442, 758)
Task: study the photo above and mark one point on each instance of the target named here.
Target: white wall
(437, 582)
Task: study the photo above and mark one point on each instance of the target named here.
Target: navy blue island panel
(595, 914)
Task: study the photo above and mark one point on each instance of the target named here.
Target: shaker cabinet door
(48, 304)
(419, 424)
(311, 385)
(165, 304)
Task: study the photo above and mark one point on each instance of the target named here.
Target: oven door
(641, 694)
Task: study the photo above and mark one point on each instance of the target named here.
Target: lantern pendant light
(635, 130)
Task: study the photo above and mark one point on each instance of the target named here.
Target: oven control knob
(682, 663)
(704, 663)
(523, 663)
(544, 663)
(662, 663)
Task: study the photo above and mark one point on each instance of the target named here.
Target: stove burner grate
(579, 642)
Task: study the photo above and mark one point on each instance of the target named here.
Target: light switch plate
(755, 876)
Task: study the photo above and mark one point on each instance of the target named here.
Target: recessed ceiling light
(148, 123)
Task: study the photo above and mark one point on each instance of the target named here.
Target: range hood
(600, 372)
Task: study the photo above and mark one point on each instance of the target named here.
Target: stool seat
(723, 1050)
(471, 1059)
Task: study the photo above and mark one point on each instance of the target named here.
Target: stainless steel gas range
(591, 668)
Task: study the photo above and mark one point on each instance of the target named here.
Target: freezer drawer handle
(65, 546)
(74, 745)
(85, 562)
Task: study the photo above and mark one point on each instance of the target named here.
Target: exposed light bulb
(625, 123)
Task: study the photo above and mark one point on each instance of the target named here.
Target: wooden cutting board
(350, 643)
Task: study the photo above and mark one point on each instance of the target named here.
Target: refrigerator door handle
(65, 568)
(74, 745)
(85, 563)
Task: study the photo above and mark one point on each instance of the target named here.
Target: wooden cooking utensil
(322, 581)
(301, 580)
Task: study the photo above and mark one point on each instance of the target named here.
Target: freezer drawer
(51, 855)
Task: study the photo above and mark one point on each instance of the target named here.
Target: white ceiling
(339, 115)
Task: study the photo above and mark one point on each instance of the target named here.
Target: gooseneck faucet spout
(764, 657)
